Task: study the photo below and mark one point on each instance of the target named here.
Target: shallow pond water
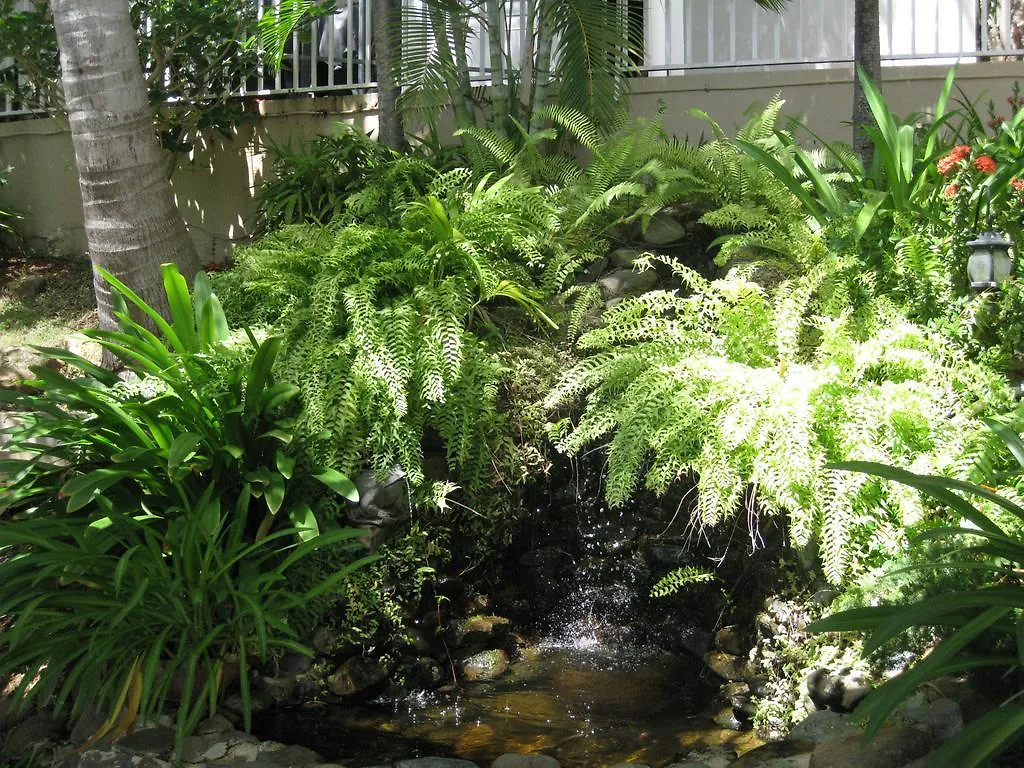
(585, 706)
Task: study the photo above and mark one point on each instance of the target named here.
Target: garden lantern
(989, 263)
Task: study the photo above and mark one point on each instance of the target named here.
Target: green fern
(680, 578)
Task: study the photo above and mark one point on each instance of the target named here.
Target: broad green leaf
(339, 483)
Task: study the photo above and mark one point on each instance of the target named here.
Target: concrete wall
(215, 188)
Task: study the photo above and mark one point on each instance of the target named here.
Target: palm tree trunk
(132, 224)
(541, 82)
(868, 56)
(386, 39)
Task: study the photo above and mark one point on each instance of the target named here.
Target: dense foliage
(142, 557)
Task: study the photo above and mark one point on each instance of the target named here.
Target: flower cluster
(949, 162)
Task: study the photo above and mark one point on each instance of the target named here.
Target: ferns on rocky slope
(712, 386)
(380, 321)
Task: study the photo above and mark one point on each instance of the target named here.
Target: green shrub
(723, 386)
(975, 619)
(141, 554)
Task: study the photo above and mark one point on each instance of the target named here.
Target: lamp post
(989, 263)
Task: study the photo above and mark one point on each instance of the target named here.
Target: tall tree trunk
(386, 39)
(500, 107)
(867, 54)
(131, 222)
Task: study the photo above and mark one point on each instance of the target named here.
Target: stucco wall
(215, 188)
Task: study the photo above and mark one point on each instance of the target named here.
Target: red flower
(948, 163)
(1017, 184)
(985, 164)
(951, 190)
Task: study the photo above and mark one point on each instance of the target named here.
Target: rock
(662, 229)
(942, 718)
(324, 641)
(199, 749)
(424, 674)
(32, 732)
(783, 754)
(281, 689)
(823, 725)
(294, 664)
(15, 365)
(731, 640)
(890, 748)
(728, 666)
(29, 287)
(486, 665)
(510, 760)
(150, 741)
(435, 762)
(726, 718)
(358, 676)
(287, 756)
(591, 272)
(631, 765)
(623, 258)
(381, 502)
(244, 751)
(108, 757)
(215, 724)
(841, 691)
(478, 632)
(628, 281)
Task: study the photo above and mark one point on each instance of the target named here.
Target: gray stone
(628, 281)
(942, 718)
(662, 229)
(32, 732)
(295, 663)
(891, 747)
(381, 502)
(781, 754)
(728, 666)
(823, 725)
(842, 690)
(203, 749)
(486, 665)
(358, 676)
(511, 760)
(592, 271)
(424, 673)
(215, 724)
(244, 751)
(149, 741)
(287, 756)
(623, 258)
(689, 764)
(281, 688)
(109, 757)
(726, 718)
(631, 765)
(435, 762)
(16, 363)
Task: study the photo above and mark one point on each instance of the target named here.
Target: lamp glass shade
(989, 263)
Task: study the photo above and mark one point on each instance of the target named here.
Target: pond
(583, 703)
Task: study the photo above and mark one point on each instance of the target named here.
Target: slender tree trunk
(867, 54)
(539, 87)
(499, 88)
(132, 225)
(386, 39)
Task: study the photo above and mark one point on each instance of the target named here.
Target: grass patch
(43, 301)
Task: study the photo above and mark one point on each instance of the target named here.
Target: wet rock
(728, 666)
(890, 748)
(281, 689)
(510, 760)
(486, 665)
(325, 640)
(628, 281)
(631, 765)
(663, 229)
(435, 762)
(204, 749)
(823, 725)
(107, 757)
(726, 718)
(358, 676)
(478, 632)
(215, 724)
(839, 691)
(942, 718)
(732, 640)
(666, 554)
(422, 673)
(739, 698)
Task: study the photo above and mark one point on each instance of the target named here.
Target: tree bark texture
(132, 224)
(867, 54)
(386, 38)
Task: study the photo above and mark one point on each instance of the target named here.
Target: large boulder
(478, 632)
(623, 282)
(486, 665)
(358, 677)
(890, 748)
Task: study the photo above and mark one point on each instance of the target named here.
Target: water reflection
(587, 707)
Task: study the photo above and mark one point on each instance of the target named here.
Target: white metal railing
(335, 53)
